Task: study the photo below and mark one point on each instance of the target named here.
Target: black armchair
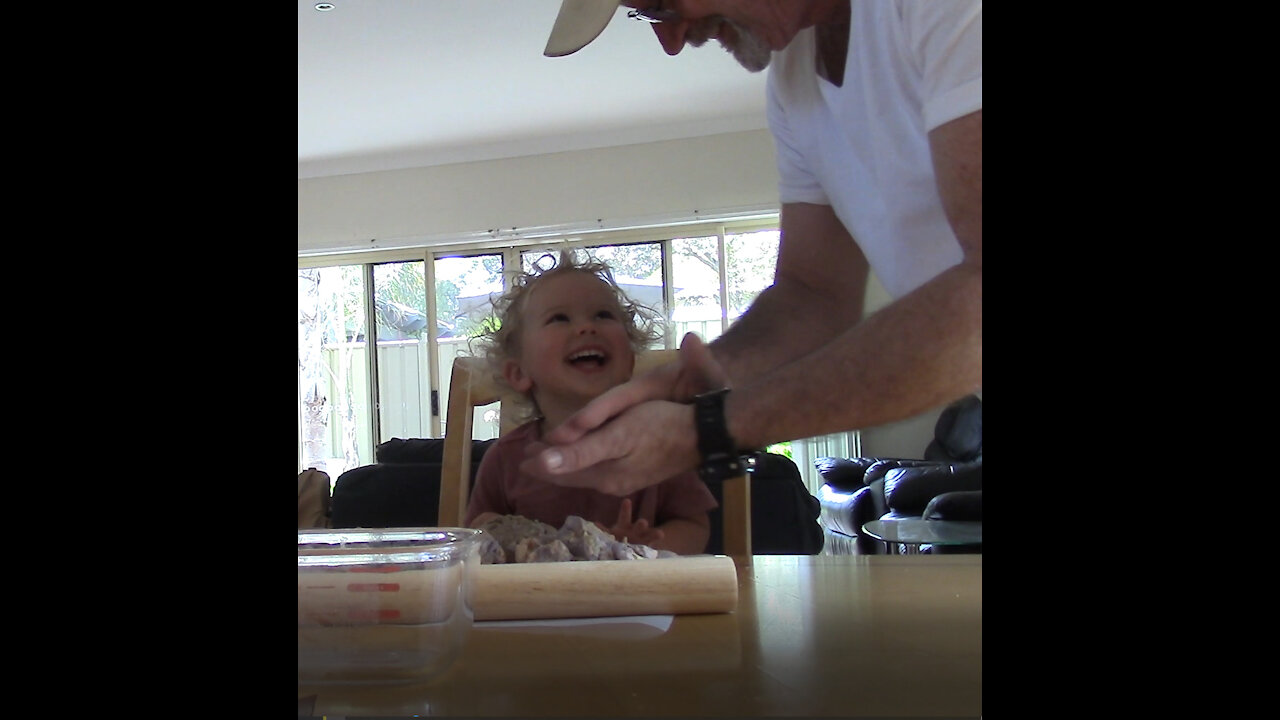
(946, 484)
(963, 505)
(401, 488)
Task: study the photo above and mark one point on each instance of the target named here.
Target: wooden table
(841, 636)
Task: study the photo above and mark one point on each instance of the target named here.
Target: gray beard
(750, 51)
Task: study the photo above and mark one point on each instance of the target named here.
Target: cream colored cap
(579, 22)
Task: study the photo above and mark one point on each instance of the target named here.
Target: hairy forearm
(818, 291)
(779, 327)
(921, 351)
(684, 537)
(915, 354)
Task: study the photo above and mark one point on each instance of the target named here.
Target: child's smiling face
(573, 344)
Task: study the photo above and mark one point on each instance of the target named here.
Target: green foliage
(781, 449)
(631, 261)
(446, 298)
(468, 327)
(403, 282)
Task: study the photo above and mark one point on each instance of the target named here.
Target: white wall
(617, 185)
(676, 178)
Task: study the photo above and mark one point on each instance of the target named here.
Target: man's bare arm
(819, 266)
(922, 350)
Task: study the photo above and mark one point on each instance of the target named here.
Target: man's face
(748, 49)
(698, 24)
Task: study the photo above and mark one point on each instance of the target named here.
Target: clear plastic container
(383, 606)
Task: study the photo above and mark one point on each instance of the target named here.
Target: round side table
(912, 533)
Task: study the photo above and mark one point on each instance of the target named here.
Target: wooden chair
(471, 386)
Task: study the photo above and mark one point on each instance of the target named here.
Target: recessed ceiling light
(324, 7)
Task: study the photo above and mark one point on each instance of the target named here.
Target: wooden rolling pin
(605, 588)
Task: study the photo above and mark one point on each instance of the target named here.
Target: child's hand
(637, 532)
(485, 517)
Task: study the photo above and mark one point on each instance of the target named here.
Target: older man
(876, 111)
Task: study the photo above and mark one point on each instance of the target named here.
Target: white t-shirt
(863, 148)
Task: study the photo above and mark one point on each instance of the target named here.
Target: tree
(330, 313)
(313, 384)
(750, 261)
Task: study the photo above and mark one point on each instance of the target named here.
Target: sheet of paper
(637, 626)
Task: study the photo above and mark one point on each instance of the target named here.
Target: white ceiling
(392, 84)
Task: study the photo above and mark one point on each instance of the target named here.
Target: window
(427, 305)
(701, 287)
(695, 276)
(403, 380)
(333, 397)
(464, 286)
(750, 259)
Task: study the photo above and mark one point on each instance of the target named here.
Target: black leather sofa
(402, 489)
(946, 484)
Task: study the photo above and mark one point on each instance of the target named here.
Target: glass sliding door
(402, 369)
(464, 288)
(750, 262)
(695, 280)
(702, 305)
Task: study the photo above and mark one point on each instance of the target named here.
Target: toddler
(565, 335)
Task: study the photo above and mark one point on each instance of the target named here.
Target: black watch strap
(720, 457)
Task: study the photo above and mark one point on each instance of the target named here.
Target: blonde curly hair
(500, 341)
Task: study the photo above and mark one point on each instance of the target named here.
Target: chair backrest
(471, 385)
(313, 499)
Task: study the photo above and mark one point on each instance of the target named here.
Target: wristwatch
(720, 457)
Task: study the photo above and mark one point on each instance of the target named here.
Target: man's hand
(635, 435)
(694, 372)
(643, 446)
(698, 370)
